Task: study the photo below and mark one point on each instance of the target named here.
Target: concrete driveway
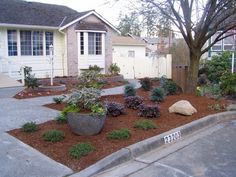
(208, 153)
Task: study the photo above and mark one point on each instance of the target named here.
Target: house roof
(91, 26)
(123, 40)
(34, 13)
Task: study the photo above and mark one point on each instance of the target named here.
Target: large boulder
(183, 107)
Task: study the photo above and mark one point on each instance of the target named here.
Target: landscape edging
(146, 145)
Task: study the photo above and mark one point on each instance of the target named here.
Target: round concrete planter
(85, 124)
(48, 88)
(114, 78)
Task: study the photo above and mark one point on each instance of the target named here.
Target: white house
(27, 29)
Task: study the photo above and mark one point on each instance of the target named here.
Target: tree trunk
(193, 71)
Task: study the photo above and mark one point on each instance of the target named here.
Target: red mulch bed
(31, 93)
(59, 151)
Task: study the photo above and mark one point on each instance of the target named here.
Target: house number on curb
(172, 137)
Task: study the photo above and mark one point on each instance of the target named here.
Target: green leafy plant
(149, 111)
(215, 67)
(157, 95)
(114, 69)
(98, 109)
(61, 119)
(95, 68)
(145, 124)
(170, 87)
(119, 134)
(59, 100)
(81, 149)
(129, 90)
(89, 79)
(30, 127)
(69, 108)
(133, 102)
(146, 83)
(53, 135)
(30, 80)
(228, 84)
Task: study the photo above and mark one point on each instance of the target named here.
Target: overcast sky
(109, 9)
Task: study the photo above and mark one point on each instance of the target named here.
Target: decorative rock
(231, 107)
(183, 107)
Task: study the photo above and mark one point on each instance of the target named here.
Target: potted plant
(89, 116)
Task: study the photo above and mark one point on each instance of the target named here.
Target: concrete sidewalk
(209, 152)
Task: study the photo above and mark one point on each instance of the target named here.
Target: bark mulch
(59, 151)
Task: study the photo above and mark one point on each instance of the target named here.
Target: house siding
(40, 64)
(72, 46)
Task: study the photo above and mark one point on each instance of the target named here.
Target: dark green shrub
(114, 69)
(129, 90)
(95, 68)
(81, 149)
(145, 124)
(157, 95)
(53, 135)
(115, 109)
(215, 67)
(30, 127)
(119, 134)
(228, 84)
(163, 80)
(30, 80)
(58, 100)
(170, 87)
(133, 102)
(146, 84)
(149, 111)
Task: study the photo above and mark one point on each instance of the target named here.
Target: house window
(48, 41)
(94, 43)
(131, 53)
(25, 42)
(12, 42)
(81, 43)
(217, 46)
(37, 43)
(229, 41)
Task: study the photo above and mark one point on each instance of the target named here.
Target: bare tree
(198, 21)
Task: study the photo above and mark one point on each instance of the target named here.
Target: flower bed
(59, 151)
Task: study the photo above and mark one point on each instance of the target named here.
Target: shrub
(119, 134)
(30, 80)
(157, 95)
(53, 135)
(133, 102)
(89, 79)
(170, 87)
(81, 149)
(70, 108)
(163, 80)
(228, 84)
(149, 111)
(95, 68)
(98, 109)
(217, 107)
(145, 124)
(146, 83)
(61, 119)
(215, 67)
(30, 127)
(58, 100)
(114, 69)
(115, 109)
(129, 90)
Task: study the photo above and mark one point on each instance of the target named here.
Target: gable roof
(126, 41)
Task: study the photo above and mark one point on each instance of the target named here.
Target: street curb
(149, 144)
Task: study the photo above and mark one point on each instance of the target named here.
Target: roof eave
(86, 15)
(28, 26)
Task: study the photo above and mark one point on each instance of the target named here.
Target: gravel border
(132, 151)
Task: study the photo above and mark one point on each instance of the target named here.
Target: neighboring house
(128, 47)
(226, 44)
(27, 29)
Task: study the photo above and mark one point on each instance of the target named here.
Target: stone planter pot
(85, 124)
(114, 78)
